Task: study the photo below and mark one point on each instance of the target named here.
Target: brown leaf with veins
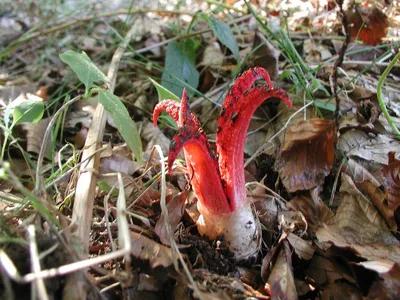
(389, 287)
(391, 174)
(280, 283)
(176, 208)
(368, 24)
(314, 210)
(359, 227)
(307, 154)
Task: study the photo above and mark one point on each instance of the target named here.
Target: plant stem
(380, 98)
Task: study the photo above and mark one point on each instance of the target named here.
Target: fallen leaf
(265, 55)
(149, 250)
(375, 149)
(315, 52)
(213, 57)
(326, 271)
(367, 112)
(154, 136)
(314, 210)
(388, 287)
(281, 280)
(176, 208)
(307, 154)
(358, 172)
(359, 227)
(391, 175)
(368, 24)
(303, 249)
(34, 136)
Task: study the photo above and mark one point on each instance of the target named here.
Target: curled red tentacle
(233, 123)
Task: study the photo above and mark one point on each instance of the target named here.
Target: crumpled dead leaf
(34, 136)
(356, 143)
(176, 209)
(388, 287)
(359, 227)
(368, 24)
(280, 284)
(307, 154)
(147, 249)
(303, 248)
(315, 51)
(154, 136)
(265, 56)
(314, 210)
(333, 278)
(391, 175)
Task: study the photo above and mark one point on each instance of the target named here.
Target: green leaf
(106, 188)
(163, 93)
(84, 68)
(126, 126)
(180, 69)
(325, 105)
(28, 111)
(224, 34)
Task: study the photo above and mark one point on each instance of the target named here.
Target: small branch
(340, 59)
(38, 284)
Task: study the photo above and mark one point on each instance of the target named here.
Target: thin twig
(38, 283)
(340, 59)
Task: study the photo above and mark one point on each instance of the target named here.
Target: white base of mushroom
(239, 228)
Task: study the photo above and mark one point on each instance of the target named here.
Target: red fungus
(219, 183)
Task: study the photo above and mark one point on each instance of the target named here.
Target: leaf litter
(327, 197)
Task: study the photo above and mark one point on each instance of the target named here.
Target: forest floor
(87, 207)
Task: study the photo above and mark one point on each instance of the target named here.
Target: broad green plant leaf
(223, 33)
(84, 68)
(126, 126)
(28, 111)
(180, 69)
(163, 93)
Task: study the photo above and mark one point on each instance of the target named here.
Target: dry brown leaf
(368, 24)
(372, 188)
(147, 249)
(375, 149)
(335, 281)
(34, 136)
(176, 208)
(303, 249)
(307, 154)
(391, 175)
(389, 287)
(315, 52)
(265, 56)
(360, 227)
(327, 271)
(313, 209)
(379, 199)
(154, 136)
(281, 281)
(213, 57)
(358, 172)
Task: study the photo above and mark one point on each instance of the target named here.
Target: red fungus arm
(169, 106)
(239, 106)
(200, 160)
